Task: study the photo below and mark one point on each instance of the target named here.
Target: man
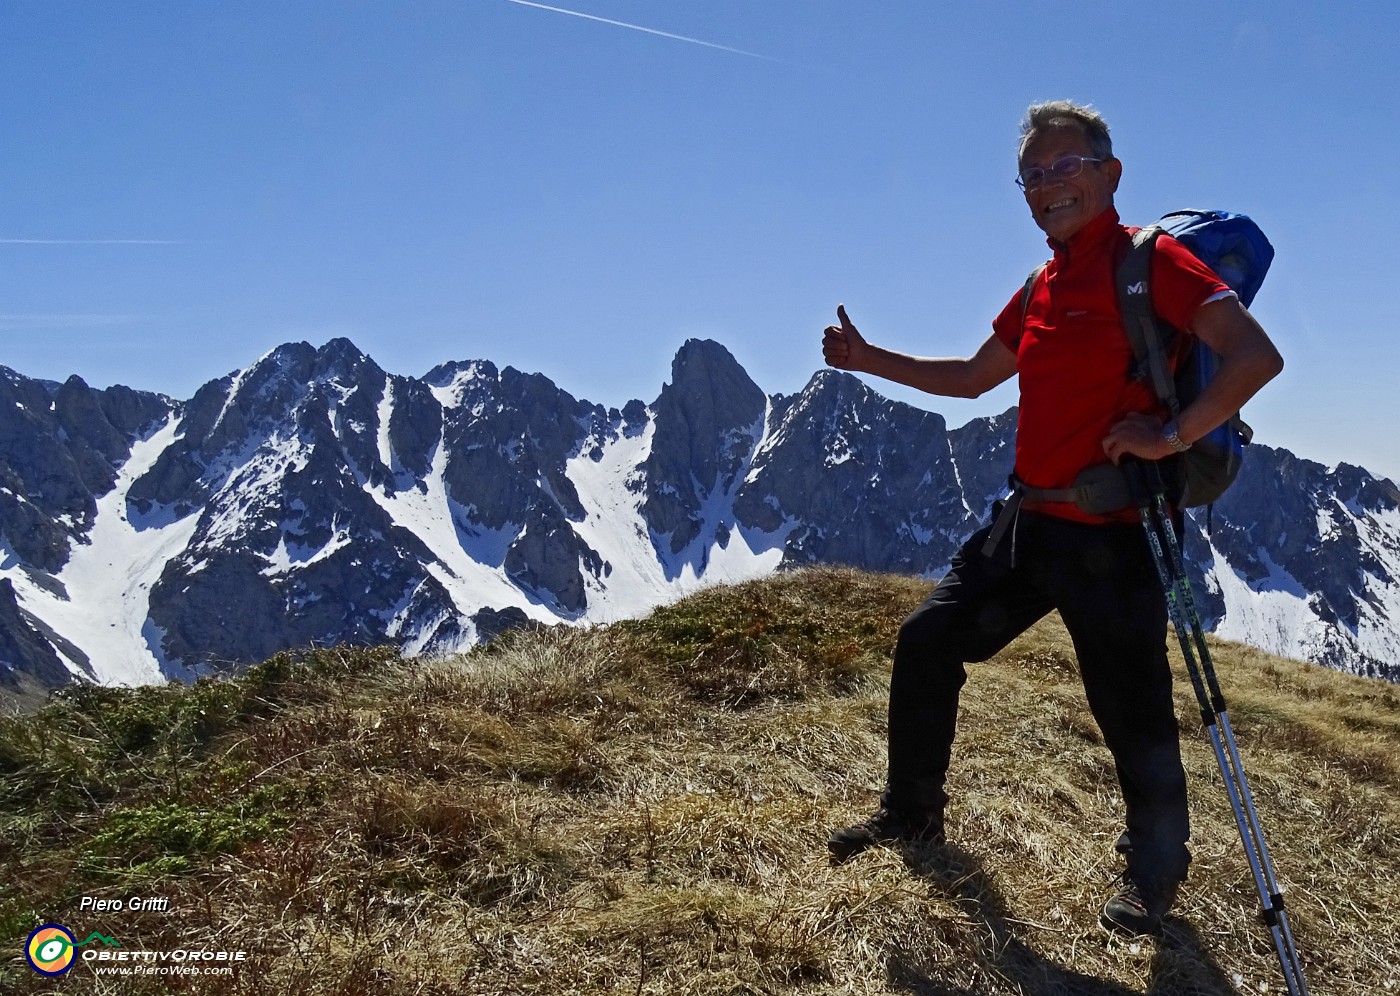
(1078, 408)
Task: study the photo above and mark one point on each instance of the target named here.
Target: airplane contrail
(638, 27)
(90, 242)
(50, 321)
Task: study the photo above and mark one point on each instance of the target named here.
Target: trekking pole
(1171, 572)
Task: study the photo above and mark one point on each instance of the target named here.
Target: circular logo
(50, 949)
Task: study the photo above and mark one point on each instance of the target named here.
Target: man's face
(1062, 207)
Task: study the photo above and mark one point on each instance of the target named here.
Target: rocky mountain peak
(708, 422)
(341, 358)
(705, 376)
(445, 374)
(60, 448)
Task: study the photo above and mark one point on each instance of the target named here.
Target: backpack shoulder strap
(1140, 321)
(1026, 297)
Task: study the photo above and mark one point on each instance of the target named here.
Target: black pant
(1103, 582)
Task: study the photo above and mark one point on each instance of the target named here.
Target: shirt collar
(1095, 231)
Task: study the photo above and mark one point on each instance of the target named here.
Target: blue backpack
(1230, 244)
(1233, 246)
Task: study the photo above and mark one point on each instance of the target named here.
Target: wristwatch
(1173, 437)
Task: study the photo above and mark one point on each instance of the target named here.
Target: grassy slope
(643, 808)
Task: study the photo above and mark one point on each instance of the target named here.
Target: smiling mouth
(1061, 204)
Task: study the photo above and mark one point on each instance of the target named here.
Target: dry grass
(643, 808)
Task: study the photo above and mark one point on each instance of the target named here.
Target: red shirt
(1074, 358)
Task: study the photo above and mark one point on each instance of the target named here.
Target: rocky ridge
(314, 498)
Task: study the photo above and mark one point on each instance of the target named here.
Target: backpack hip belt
(1098, 490)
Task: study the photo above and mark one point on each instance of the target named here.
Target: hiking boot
(1139, 906)
(887, 826)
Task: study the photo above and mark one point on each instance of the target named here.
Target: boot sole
(844, 851)
(1123, 930)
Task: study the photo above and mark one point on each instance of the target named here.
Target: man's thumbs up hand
(842, 346)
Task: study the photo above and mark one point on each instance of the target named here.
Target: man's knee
(931, 629)
(957, 633)
(928, 649)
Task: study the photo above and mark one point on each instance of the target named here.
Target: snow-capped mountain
(315, 498)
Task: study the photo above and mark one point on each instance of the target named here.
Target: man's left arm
(1248, 361)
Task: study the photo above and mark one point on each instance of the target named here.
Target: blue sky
(185, 185)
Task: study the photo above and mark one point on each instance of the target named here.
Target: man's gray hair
(1066, 114)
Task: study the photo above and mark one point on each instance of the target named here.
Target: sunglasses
(1064, 168)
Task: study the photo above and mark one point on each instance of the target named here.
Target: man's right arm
(846, 349)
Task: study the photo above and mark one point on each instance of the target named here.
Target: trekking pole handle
(1144, 478)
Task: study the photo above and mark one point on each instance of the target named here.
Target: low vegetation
(642, 808)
